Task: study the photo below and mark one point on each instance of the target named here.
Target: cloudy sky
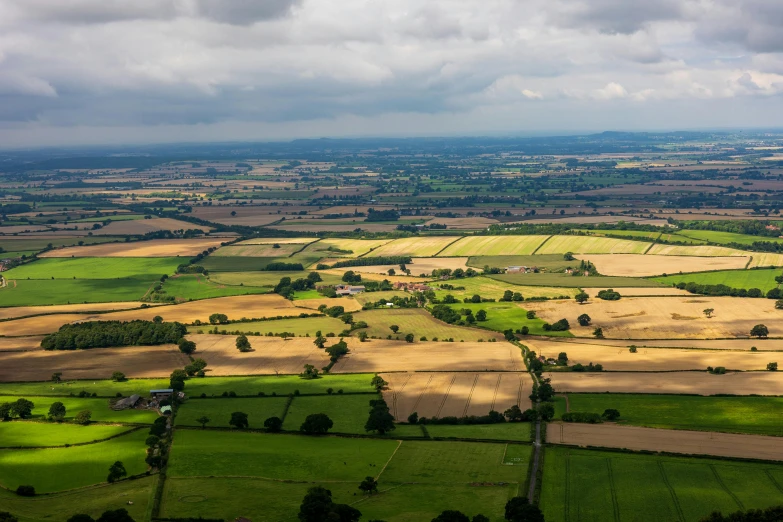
(130, 71)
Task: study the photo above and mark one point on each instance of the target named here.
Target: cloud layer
(81, 71)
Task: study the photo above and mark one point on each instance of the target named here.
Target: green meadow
(32, 434)
(348, 412)
(32, 292)
(96, 268)
(99, 407)
(763, 278)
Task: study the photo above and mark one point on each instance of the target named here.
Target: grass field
(502, 316)
(280, 385)
(488, 287)
(419, 322)
(357, 247)
(99, 408)
(91, 501)
(763, 279)
(59, 469)
(24, 292)
(96, 268)
(219, 411)
(199, 287)
(104, 388)
(494, 246)
(567, 280)
(758, 415)
(591, 245)
(415, 246)
(592, 485)
(724, 238)
(29, 434)
(518, 431)
(297, 326)
(348, 412)
(265, 279)
(249, 264)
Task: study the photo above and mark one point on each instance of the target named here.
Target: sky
(78, 72)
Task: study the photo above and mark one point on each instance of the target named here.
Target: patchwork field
(95, 268)
(695, 250)
(763, 279)
(455, 394)
(665, 317)
(96, 363)
(153, 248)
(26, 311)
(415, 246)
(591, 245)
(420, 323)
(494, 246)
(694, 383)
(634, 265)
(418, 266)
(338, 247)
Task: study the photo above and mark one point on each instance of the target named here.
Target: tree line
(104, 334)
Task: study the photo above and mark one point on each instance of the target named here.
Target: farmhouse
(521, 269)
(411, 287)
(348, 289)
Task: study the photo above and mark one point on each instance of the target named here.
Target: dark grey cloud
(244, 12)
(754, 25)
(614, 16)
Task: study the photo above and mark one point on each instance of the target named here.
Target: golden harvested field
(697, 344)
(381, 355)
(670, 441)
(415, 246)
(666, 317)
(278, 240)
(143, 226)
(764, 259)
(418, 266)
(643, 292)
(697, 250)
(464, 223)
(444, 394)
(697, 383)
(42, 324)
(325, 225)
(25, 311)
(284, 250)
(17, 344)
(271, 355)
(494, 246)
(615, 358)
(357, 247)
(153, 248)
(420, 323)
(634, 265)
(350, 304)
(97, 363)
(591, 245)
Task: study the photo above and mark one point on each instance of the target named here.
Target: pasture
(420, 323)
(265, 279)
(101, 412)
(427, 246)
(95, 268)
(593, 485)
(35, 292)
(348, 412)
(508, 315)
(591, 245)
(30, 434)
(724, 238)
(219, 410)
(763, 279)
(494, 246)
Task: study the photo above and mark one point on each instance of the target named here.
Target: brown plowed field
(271, 355)
(615, 358)
(378, 355)
(24, 311)
(42, 324)
(665, 317)
(699, 383)
(671, 441)
(636, 265)
(97, 363)
(153, 248)
(15, 344)
(441, 394)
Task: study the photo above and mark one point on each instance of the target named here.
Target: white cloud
(610, 91)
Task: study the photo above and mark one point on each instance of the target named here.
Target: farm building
(126, 403)
(411, 287)
(162, 394)
(348, 289)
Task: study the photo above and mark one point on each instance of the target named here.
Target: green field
(96, 268)
(763, 279)
(299, 326)
(103, 388)
(488, 287)
(760, 415)
(99, 408)
(219, 411)
(31, 434)
(348, 412)
(517, 431)
(249, 264)
(724, 238)
(59, 469)
(505, 315)
(418, 322)
(567, 280)
(265, 279)
(92, 501)
(641, 235)
(32, 292)
(200, 287)
(494, 246)
(18, 244)
(592, 485)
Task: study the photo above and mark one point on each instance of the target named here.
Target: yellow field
(154, 248)
(697, 250)
(635, 265)
(591, 245)
(764, 259)
(257, 250)
(348, 303)
(415, 246)
(25, 311)
(17, 344)
(358, 247)
(494, 246)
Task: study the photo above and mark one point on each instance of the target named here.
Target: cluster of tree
(583, 417)
(20, 408)
(723, 290)
(381, 215)
(380, 419)
(373, 261)
(413, 301)
(584, 320)
(243, 345)
(116, 472)
(608, 295)
(770, 514)
(493, 417)
(351, 277)
(112, 515)
(518, 509)
(508, 295)
(332, 311)
(318, 506)
(445, 313)
(589, 368)
(316, 424)
(457, 273)
(286, 288)
(558, 326)
(309, 372)
(281, 266)
(104, 334)
(543, 391)
(191, 269)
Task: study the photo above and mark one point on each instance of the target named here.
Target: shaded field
(27, 434)
(153, 248)
(494, 246)
(568, 280)
(25, 311)
(185, 287)
(348, 412)
(755, 415)
(591, 485)
(219, 411)
(763, 279)
(100, 408)
(20, 343)
(95, 268)
(418, 322)
(518, 431)
(634, 265)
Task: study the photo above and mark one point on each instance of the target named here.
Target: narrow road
(536, 452)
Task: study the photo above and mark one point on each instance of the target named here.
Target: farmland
(591, 245)
(96, 268)
(763, 279)
(154, 248)
(494, 246)
(633, 265)
(419, 323)
(30, 434)
(415, 247)
(33, 292)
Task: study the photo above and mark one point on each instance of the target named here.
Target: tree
(83, 417)
(394, 328)
(581, 297)
(562, 359)
(57, 376)
(513, 414)
(518, 509)
(598, 333)
(481, 315)
(413, 418)
(708, 312)
(409, 337)
(369, 485)
(475, 298)
(309, 372)
(239, 420)
(380, 419)
(57, 411)
(22, 408)
(186, 347)
(507, 295)
(157, 319)
(317, 506)
(233, 213)
(391, 272)
(546, 412)
(759, 331)
(611, 414)
(773, 366)
(273, 424)
(451, 515)
(320, 340)
(479, 518)
(5, 516)
(779, 304)
(530, 314)
(378, 383)
(115, 515)
(568, 256)
(116, 471)
(316, 424)
(81, 517)
(25, 491)
(243, 345)
(584, 320)
(218, 319)
(118, 377)
(203, 420)
(152, 441)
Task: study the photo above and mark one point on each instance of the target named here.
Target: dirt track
(672, 441)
